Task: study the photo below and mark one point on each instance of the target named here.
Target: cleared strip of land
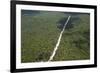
(59, 39)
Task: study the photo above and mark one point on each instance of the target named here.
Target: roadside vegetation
(75, 43)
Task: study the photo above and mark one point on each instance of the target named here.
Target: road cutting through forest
(59, 39)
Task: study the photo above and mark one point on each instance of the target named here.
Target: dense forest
(40, 31)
